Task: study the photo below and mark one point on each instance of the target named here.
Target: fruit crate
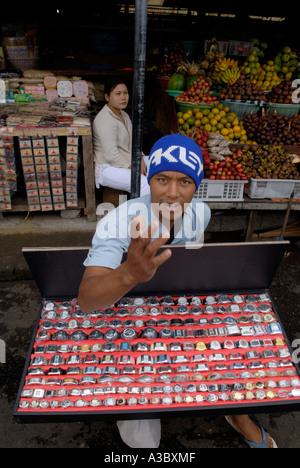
(242, 109)
(221, 190)
(265, 188)
(287, 110)
(174, 93)
(186, 106)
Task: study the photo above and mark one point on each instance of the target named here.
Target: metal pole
(140, 41)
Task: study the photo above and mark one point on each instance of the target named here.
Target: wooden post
(89, 177)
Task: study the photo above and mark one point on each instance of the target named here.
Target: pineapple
(193, 69)
(189, 68)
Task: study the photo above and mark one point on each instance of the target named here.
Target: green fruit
(278, 61)
(176, 82)
(191, 121)
(190, 81)
(286, 50)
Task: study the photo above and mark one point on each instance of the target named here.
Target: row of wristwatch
(176, 321)
(125, 360)
(201, 371)
(151, 333)
(178, 388)
(154, 311)
(151, 301)
(156, 346)
(198, 399)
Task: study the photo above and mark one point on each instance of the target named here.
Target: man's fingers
(137, 226)
(152, 229)
(137, 229)
(140, 234)
(163, 257)
(157, 243)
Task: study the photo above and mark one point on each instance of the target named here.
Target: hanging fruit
(226, 71)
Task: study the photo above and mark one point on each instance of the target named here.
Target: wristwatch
(149, 333)
(129, 334)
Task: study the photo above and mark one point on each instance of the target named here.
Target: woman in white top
(112, 130)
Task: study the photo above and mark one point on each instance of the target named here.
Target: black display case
(202, 337)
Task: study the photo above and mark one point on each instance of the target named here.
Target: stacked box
(29, 173)
(3, 188)
(72, 169)
(55, 172)
(8, 176)
(41, 167)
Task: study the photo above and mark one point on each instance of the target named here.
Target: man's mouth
(172, 207)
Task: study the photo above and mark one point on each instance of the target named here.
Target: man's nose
(173, 190)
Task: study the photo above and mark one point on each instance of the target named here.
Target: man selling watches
(168, 215)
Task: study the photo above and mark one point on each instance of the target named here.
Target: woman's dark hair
(112, 83)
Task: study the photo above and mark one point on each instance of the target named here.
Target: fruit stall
(244, 114)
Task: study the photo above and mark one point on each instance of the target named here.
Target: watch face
(152, 301)
(149, 333)
(129, 334)
(61, 335)
(112, 335)
(125, 302)
(195, 301)
(95, 335)
(182, 300)
(167, 300)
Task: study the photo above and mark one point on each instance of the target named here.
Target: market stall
(243, 111)
(181, 343)
(46, 137)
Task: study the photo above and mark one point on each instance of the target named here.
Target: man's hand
(142, 261)
(101, 287)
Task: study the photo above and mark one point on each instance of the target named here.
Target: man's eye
(162, 179)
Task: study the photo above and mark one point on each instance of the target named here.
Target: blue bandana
(176, 153)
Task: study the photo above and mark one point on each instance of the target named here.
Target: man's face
(171, 190)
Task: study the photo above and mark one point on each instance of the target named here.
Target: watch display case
(185, 341)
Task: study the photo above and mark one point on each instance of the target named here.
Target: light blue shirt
(113, 233)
